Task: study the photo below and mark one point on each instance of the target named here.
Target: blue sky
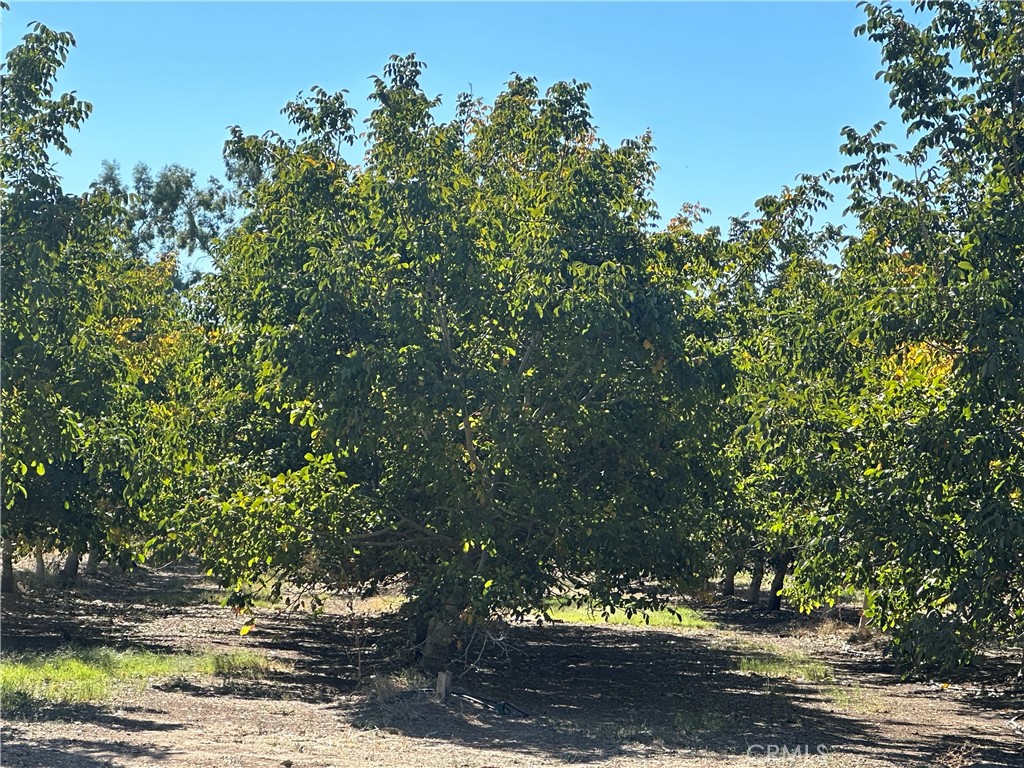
(741, 97)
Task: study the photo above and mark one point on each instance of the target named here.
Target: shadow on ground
(594, 693)
(96, 610)
(19, 750)
(575, 693)
(128, 719)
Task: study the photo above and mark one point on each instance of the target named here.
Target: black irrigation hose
(501, 707)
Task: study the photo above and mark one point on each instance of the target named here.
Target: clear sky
(741, 97)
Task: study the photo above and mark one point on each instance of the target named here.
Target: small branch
(528, 353)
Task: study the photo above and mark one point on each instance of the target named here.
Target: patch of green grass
(792, 666)
(676, 616)
(234, 664)
(854, 698)
(92, 675)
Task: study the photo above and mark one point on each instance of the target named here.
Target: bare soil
(541, 696)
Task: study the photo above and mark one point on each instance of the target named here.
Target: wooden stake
(444, 686)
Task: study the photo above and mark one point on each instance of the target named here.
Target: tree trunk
(8, 585)
(70, 570)
(729, 582)
(40, 561)
(440, 636)
(92, 560)
(778, 581)
(437, 646)
(756, 578)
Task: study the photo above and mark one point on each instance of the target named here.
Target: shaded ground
(551, 695)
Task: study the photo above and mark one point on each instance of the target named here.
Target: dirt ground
(549, 695)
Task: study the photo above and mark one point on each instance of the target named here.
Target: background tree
(778, 291)
(934, 524)
(40, 427)
(88, 322)
(169, 214)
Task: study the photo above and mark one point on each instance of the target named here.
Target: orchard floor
(563, 694)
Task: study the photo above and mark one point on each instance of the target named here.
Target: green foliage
(928, 517)
(473, 362)
(781, 295)
(880, 406)
(169, 213)
(95, 345)
(501, 376)
(36, 220)
(948, 455)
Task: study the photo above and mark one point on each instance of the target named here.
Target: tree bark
(729, 582)
(437, 646)
(40, 561)
(440, 635)
(8, 585)
(756, 578)
(70, 570)
(92, 560)
(778, 581)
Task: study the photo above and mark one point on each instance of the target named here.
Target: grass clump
(393, 699)
(234, 664)
(855, 698)
(76, 676)
(794, 667)
(674, 616)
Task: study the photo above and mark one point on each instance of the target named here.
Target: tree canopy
(506, 386)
